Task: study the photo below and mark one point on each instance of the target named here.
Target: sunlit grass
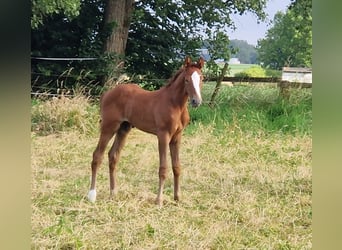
(238, 191)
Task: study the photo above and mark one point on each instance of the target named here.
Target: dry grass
(64, 113)
(239, 191)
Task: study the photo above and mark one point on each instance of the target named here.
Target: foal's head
(193, 80)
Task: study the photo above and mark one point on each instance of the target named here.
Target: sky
(247, 27)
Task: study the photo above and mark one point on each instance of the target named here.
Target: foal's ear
(200, 62)
(187, 61)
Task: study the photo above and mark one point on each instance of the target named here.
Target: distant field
(246, 180)
(237, 68)
(257, 70)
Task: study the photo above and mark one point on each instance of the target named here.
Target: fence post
(284, 87)
(218, 84)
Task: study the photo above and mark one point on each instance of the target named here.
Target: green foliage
(80, 37)
(289, 41)
(43, 8)
(218, 48)
(156, 39)
(72, 81)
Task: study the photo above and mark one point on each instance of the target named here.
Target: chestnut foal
(163, 113)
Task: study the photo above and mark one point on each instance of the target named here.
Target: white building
(301, 75)
(234, 60)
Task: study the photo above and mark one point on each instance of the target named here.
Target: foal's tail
(101, 99)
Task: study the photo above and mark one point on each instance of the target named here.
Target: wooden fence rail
(238, 79)
(235, 79)
(283, 85)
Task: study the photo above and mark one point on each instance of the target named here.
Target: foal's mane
(178, 72)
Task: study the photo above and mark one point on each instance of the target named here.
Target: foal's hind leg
(163, 141)
(105, 136)
(114, 153)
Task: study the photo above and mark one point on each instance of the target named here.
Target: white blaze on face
(196, 79)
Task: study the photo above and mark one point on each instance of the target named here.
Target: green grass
(256, 108)
(237, 68)
(233, 68)
(246, 181)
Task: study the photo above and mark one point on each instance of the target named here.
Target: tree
(151, 35)
(289, 41)
(117, 18)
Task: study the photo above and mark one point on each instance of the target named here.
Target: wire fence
(93, 89)
(65, 58)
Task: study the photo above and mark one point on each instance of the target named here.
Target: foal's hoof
(159, 202)
(92, 195)
(112, 195)
(113, 192)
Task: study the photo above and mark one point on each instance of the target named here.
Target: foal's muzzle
(195, 102)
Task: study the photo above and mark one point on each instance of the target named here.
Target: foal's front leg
(163, 141)
(176, 168)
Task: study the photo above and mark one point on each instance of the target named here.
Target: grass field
(246, 179)
(254, 70)
(237, 68)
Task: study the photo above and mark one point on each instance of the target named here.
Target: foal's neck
(179, 96)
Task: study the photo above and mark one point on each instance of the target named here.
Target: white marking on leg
(196, 79)
(92, 195)
(113, 192)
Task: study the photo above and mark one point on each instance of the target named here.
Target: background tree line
(246, 53)
(147, 37)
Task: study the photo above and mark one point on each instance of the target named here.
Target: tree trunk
(218, 84)
(117, 15)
